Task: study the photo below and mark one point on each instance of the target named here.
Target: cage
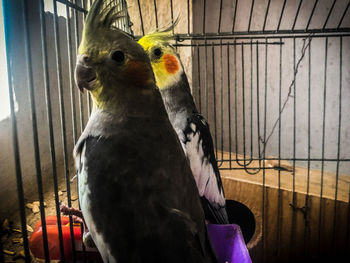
(271, 77)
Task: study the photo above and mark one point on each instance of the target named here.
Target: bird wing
(126, 202)
(200, 153)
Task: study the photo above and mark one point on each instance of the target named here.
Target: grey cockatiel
(136, 191)
(191, 127)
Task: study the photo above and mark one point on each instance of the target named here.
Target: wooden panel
(292, 234)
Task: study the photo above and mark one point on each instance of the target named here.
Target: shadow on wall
(8, 189)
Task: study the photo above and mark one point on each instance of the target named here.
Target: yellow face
(165, 63)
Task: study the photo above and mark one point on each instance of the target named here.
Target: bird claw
(76, 214)
(70, 211)
(78, 217)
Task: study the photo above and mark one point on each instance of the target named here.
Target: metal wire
(204, 13)
(140, 12)
(220, 16)
(50, 125)
(311, 15)
(250, 15)
(339, 143)
(222, 133)
(88, 97)
(229, 103)
(266, 14)
(77, 42)
(214, 99)
(263, 155)
(199, 79)
(81, 114)
(296, 15)
(35, 129)
(307, 198)
(71, 76)
(279, 201)
(323, 147)
(172, 14)
(292, 255)
(206, 80)
(188, 18)
(282, 12)
(329, 14)
(234, 17)
(257, 104)
(251, 99)
(63, 121)
(155, 12)
(342, 17)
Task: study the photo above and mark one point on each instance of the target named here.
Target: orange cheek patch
(171, 63)
(138, 73)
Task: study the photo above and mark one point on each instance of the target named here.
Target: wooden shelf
(286, 178)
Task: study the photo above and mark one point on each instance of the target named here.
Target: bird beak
(85, 75)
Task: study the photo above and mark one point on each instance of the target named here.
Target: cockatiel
(136, 190)
(190, 126)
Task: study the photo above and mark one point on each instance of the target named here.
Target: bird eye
(118, 56)
(157, 52)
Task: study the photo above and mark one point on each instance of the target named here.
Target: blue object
(228, 243)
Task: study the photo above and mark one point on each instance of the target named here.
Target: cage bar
(204, 13)
(263, 155)
(71, 77)
(296, 15)
(294, 205)
(140, 12)
(222, 107)
(279, 201)
(220, 16)
(342, 17)
(62, 117)
(323, 145)
(339, 140)
(250, 15)
(234, 17)
(266, 14)
(329, 14)
(50, 125)
(28, 62)
(214, 98)
(311, 15)
(229, 103)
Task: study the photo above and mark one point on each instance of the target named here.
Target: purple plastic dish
(228, 243)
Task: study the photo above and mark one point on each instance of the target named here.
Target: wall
(220, 114)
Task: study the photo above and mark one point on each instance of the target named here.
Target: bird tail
(212, 214)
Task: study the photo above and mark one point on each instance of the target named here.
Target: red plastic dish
(36, 241)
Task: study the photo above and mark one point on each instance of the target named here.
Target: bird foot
(76, 214)
(78, 217)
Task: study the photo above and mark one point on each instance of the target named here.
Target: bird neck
(178, 98)
(128, 101)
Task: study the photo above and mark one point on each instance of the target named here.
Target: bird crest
(101, 18)
(161, 36)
